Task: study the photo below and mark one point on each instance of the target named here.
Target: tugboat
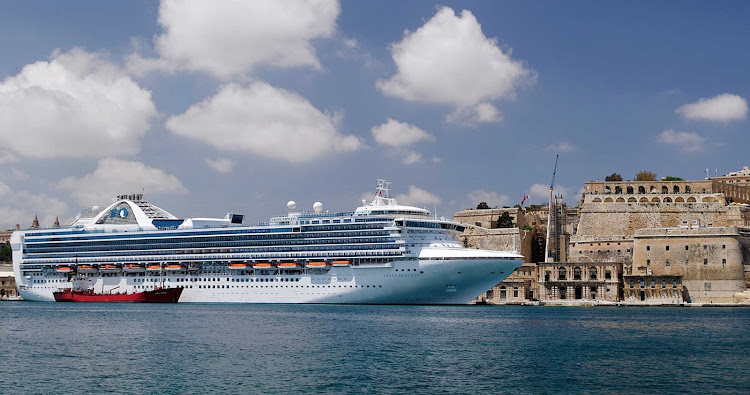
(159, 295)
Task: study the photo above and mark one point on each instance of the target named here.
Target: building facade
(579, 282)
(521, 287)
(649, 289)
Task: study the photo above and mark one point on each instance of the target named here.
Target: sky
(211, 107)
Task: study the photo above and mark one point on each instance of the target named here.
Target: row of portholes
(644, 199)
(642, 190)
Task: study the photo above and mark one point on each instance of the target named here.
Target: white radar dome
(291, 205)
(318, 207)
(95, 209)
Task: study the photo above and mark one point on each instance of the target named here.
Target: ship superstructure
(382, 252)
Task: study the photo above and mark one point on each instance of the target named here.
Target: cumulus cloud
(687, 142)
(114, 177)
(265, 121)
(493, 199)
(75, 105)
(221, 165)
(20, 207)
(562, 146)
(417, 196)
(720, 108)
(412, 157)
(450, 61)
(541, 191)
(229, 38)
(399, 134)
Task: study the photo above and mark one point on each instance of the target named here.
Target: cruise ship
(380, 253)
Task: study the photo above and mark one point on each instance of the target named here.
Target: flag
(525, 196)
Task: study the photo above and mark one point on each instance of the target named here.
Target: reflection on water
(146, 348)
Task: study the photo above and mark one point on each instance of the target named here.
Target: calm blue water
(151, 348)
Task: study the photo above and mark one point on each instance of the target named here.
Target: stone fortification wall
(503, 239)
(488, 218)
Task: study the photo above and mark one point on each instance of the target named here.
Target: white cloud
(450, 61)
(114, 177)
(562, 146)
(265, 121)
(412, 157)
(350, 43)
(687, 142)
(493, 199)
(76, 105)
(436, 159)
(417, 196)
(19, 175)
(221, 165)
(230, 38)
(399, 134)
(7, 157)
(720, 108)
(541, 191)
(20, 207)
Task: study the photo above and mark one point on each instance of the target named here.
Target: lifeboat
(133, 268)
(194, 266)
(289, 265)
(263, 265)
(318, 265)
(174, 267)
(87, 269)
(342, 263)
(64, 269)
(239, 266)
(153, 267)
(109, 268)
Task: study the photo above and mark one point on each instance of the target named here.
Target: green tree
(670, 178)
(613, 177)
(645, 175)
(505, 220)
(482, 206)
(5, 253)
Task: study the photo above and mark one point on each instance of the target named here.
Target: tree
(505, 220)
(645, 175)
(5, 253)
(613, 177)
(670, 178)
(482, 206)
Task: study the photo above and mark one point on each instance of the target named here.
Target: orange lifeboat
(263, 265)
(318, 265)
(289, 265)
(342, 263)
(174, 267)
(153, 267)
(239, 266)
(64, 269)
(87, 269)
(133, 268)
(109, 268)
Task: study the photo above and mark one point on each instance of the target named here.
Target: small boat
(263, 265)
(64, 269)
(239, 266)
(174, 267)
(133, 268)
(87, 269)
(153, 267)
(341, 263)
(194, 266)
(289, 265)
(318, 265)
(109, 269)
(162, 295)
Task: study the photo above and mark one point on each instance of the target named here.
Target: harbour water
(199, 348)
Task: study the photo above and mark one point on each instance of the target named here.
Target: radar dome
(95, 209)
(318, 207)
(291, 205)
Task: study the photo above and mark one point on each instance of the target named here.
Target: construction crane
(549, 210)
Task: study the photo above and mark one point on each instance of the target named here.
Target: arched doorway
(592, 291)
(579, 292)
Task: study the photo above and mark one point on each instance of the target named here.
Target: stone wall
(502, 239)
(488, 218)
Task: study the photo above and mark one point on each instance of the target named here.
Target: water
(199, 348)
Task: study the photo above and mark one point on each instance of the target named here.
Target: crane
(549, 210)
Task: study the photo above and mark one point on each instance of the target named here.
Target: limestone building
(519, 288)
(579, 282)
(483, 231)
(707, 260)
(741, 177)
(7, 282)
(652, 289)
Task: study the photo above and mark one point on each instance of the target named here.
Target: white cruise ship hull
(453, 281)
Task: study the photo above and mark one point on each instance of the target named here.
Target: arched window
(664, 189)
(515, 292)
(618, 190)
(607, 190)
(688, 189)
(597, 200)
(503, 292)
(608, 200)
(653, 189)
(654, 200)
(631, 200)
(691, 199)
(676, 189)
(641, 190)
(577, 273)
(667, 199)
(561, 273)
(629, 190)
(592, 273)
(620, 200)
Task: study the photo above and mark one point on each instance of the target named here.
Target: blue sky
(211, 107)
